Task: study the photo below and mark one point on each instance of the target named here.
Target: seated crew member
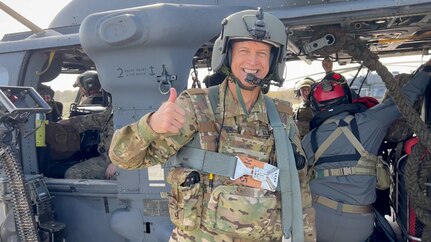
(99, 167)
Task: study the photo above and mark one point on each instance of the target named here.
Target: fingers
(172, 95)
(110, 171)
(176, 124)
(169, 120)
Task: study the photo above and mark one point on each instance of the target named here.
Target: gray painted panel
(74, 14)
(87, 219)
(49, 39)
(168, 38)
(12, 62)
(28, 142)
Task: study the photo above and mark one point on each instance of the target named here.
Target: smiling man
(226, 121)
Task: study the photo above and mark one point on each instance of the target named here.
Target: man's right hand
(169, 118)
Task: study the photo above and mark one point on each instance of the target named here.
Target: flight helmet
(328, 94)
(252, 25)
(88, 82)
(306, 82)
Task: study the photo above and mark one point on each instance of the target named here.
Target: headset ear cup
(272, 59)
(228, 60)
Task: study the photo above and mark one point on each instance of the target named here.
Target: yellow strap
(51, 57)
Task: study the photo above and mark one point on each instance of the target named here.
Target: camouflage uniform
(303, 115)
(93, 168)
(137, 146)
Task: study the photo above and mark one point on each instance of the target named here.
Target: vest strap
(225, 165)
(347, 208)
(291, 206)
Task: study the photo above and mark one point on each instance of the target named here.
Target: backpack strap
(291, 207)
(213, 97)
(205, 120)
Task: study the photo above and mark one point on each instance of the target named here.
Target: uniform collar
(233, 107)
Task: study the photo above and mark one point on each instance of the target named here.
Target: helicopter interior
(74, 60)
(312, 35)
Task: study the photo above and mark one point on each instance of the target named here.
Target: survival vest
(368, 164)
(206, 160)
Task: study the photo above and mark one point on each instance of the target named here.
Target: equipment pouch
(185, 202)
(63, 140)
(244, 212)
(383, 174)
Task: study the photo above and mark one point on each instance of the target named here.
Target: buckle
(263, 175)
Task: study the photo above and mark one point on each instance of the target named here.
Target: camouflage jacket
(303, 115)
(97, 121)
(137, 146)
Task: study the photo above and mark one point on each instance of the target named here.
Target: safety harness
(368, 164)
(206, 159)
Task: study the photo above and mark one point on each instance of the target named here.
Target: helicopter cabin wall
(19, 69)
(35, 62)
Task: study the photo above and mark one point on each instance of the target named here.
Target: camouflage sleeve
(91, 121)
(137, 145)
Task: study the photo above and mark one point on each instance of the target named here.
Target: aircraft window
(4, 76)
(378, 92)
(364, 92)
(64, 91)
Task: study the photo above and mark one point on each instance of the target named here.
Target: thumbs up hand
(169, 118)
